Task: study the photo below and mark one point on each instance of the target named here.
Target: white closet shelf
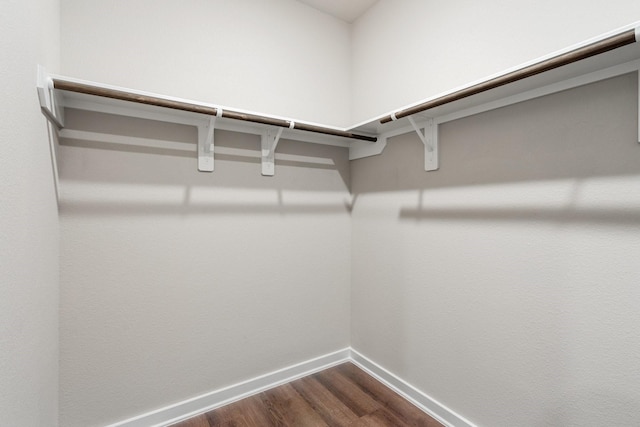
(58, 92)
(67, 86)
(609, 55)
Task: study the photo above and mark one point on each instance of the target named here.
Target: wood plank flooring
(342, 396)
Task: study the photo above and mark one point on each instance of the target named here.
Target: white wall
(406, 51)
(277, 57)
(175, 283)
(28, 220)
(505, 285)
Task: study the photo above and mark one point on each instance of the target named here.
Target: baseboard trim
(426, 403)
(197, 405)
(206, 402)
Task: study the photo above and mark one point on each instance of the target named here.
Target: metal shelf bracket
(429, 138)
(269, 142)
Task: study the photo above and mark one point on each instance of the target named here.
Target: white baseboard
(426, 403)
(197, 405)
(206, 402)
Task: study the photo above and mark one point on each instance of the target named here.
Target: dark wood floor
(337, 397)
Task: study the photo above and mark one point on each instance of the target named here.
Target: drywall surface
(505, 285)
(28, 221)
(404, 52)
(277, 57)
(175, 283)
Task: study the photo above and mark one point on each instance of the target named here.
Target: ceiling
(347, 10)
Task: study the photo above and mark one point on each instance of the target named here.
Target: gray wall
(505, 285)
(28, 220)
(176, 283)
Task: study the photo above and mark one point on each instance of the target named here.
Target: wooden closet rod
(614, 42)
(194, 108)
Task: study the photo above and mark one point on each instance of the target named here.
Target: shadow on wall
(553, 146)
(134, 166)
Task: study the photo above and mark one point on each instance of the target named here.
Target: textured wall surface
(406, 51)
(176, 283)
(277, 57)
(28, 220)
(502, 285)
(505, 285)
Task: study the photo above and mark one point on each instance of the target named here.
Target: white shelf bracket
(50, 104)
(269, 142)
(206, 145)
(429, 138)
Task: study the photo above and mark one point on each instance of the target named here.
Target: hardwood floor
(342, 396)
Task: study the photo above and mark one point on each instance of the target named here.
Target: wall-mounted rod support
(206, 145)
(48, 102)
(430, 140)
(602, 46)
(52, 110)
(269, 142)
(89, 89)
